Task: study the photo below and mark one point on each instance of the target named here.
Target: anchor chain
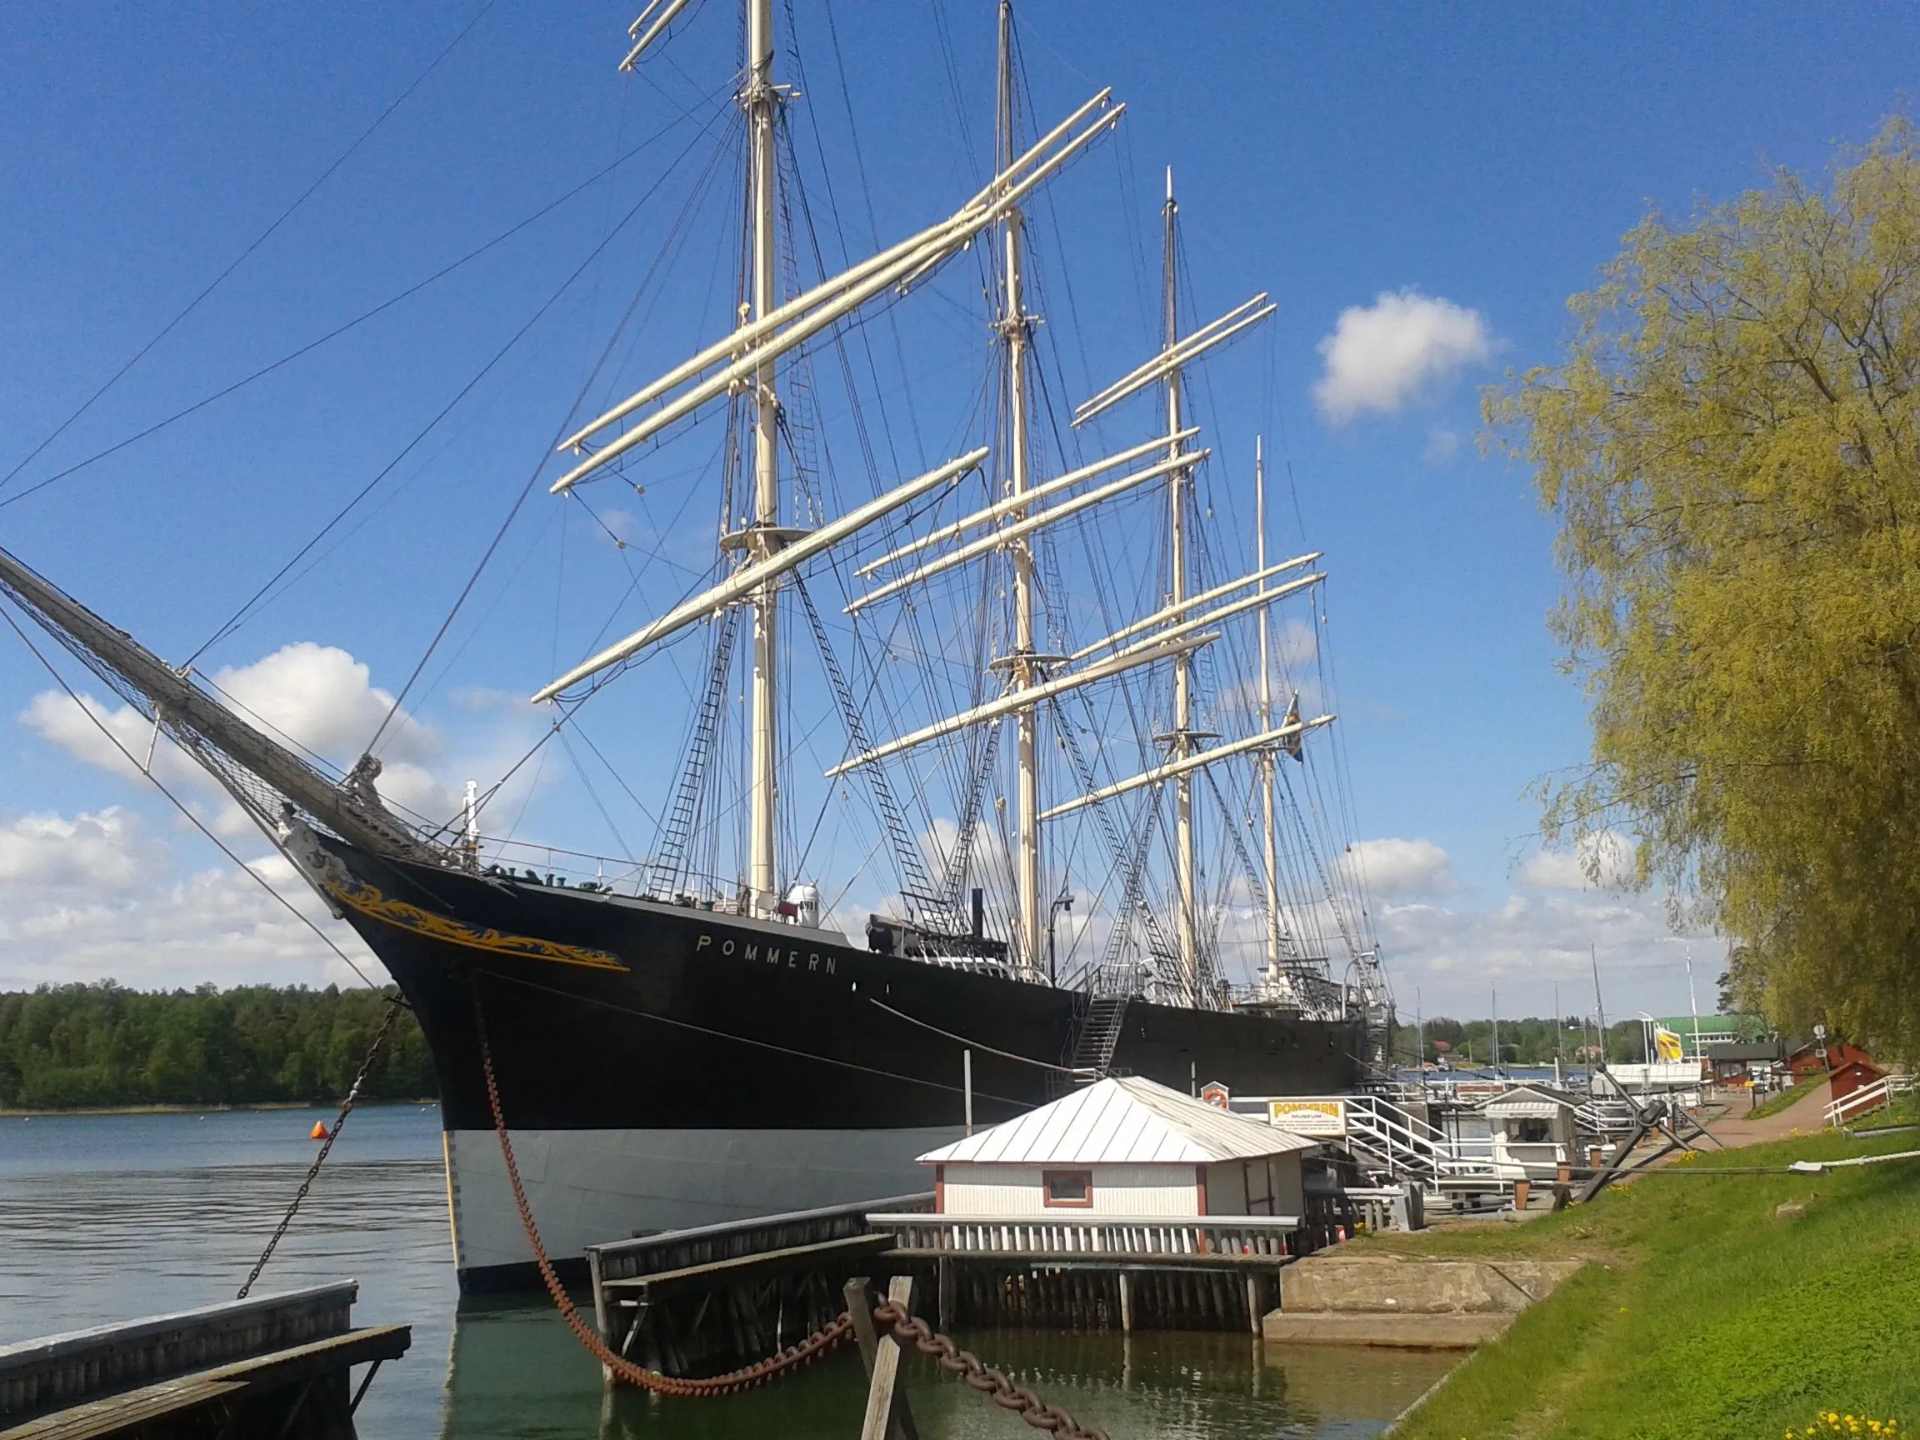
(982, 1377)
(394, 1006)
(819, 1343)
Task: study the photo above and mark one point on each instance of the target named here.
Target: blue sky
(1490, 157)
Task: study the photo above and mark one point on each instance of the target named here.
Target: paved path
(1807, 1115)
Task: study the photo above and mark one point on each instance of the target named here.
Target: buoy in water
(319, 1131)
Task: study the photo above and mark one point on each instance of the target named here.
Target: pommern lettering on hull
(727, 946)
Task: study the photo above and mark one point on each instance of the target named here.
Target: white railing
(1389, 1138)
(1102, 1235)
(1599, 1116)
(1409, 1144)
(1867, 1099)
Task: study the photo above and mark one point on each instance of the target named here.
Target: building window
(1067, 1187)
(1533, 1130)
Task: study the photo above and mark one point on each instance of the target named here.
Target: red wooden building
(1812, 1059)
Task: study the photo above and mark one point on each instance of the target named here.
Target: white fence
(1867, 1099)
(1106, 1235)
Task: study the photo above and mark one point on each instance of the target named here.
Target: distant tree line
(73, 1046)
(1531, 1041)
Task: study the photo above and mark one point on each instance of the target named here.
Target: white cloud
(1393, 867)
(1382, 356)
(96, 896)
(1603, 861)
(110, 895)
(1527, 944)
(323, 699)
(126, 744)
(46, 850)
(1442, 446)
(317, 696)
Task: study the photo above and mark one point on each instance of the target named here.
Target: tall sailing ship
(689, 1035)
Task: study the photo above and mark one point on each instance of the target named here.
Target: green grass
(1702, 1314)
(1790, 1096)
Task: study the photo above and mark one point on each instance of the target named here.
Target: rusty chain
(982, 1377)
(819, 1343)
(394, 1006)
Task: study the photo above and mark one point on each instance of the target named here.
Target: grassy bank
(1705, 1313)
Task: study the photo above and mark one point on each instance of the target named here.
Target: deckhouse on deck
(1533, 1132)
(1122, 1147)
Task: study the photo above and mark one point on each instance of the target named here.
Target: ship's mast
(761, 103)
(1269, 755)
(1016, 332)
(1181, 740)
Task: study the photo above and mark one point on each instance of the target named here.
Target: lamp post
(1062, 901)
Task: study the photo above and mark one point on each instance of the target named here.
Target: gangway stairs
(1393, 1144)
(1404, 1147)
(1099, 1037)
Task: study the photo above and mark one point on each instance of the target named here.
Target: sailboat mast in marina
(680, 1035)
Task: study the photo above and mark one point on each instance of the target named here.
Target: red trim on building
(939, 1189)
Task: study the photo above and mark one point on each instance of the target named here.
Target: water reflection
(517, 1373)
(111, 1217)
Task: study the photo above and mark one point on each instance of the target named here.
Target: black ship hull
(662, 1066)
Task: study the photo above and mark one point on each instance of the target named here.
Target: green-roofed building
(1714, 1030)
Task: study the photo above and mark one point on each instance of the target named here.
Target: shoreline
(263, 1105)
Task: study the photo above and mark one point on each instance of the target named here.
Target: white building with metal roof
(1533, 1129)
(1126, 1147)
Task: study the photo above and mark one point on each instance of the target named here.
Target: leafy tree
(1729, 444)
(100, 1045)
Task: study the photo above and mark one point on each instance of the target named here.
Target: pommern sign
(1309, 1117)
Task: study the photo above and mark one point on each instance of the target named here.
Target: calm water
(111, 1217)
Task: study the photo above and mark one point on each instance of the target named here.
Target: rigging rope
(342, 329)
(819, 1343)
(241, 615)
(560, 431)
(1079, 1074)
(240, 259)
(394, 1006)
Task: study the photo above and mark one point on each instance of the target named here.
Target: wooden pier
(702, 1301)
(277, 1365)
(694, 1303)
(1098, 1272)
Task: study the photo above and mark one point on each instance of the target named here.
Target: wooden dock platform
(1146, 1272)
(276, 1365)
(709, 1299)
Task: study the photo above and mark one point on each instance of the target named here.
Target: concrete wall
(1337, 1284)
(1334, 1299)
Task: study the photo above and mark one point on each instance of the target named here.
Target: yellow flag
(1666, 1044)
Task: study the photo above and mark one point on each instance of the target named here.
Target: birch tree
(1728, 444)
